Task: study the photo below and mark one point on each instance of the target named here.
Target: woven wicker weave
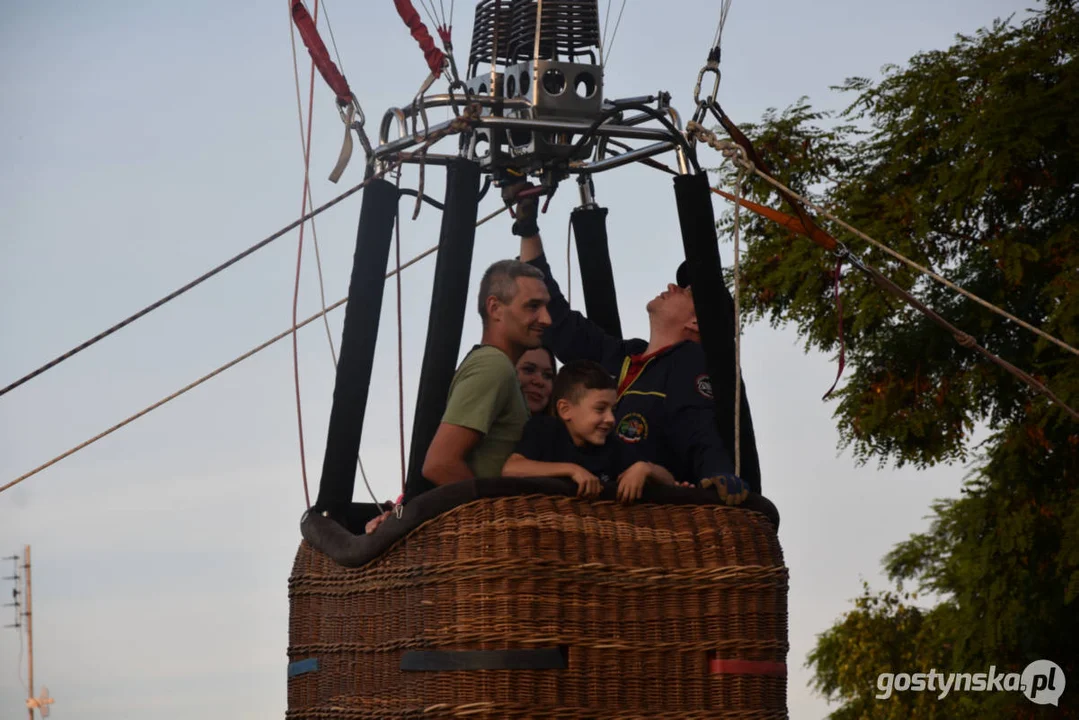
(641, 597)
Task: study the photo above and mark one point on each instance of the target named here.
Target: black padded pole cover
(715, 315)
(594, 257)
(449, 300)
(357, 357)
(450, 660)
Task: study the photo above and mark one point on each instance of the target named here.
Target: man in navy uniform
(665, 412)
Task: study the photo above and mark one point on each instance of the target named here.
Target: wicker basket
(658, 611)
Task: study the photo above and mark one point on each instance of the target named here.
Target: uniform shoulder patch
(704, 386)
(632, 428)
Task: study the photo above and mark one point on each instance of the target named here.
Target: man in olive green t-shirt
(485, 409)
(485, 396)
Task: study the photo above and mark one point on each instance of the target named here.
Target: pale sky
(143, 143)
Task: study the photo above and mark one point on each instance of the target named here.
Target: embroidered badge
(633, 428)
(704, 386)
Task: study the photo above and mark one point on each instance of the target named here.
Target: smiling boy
(665, 411)
(576, 443)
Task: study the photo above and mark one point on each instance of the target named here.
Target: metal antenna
(29, 615)
(15, 592)
(43, 701)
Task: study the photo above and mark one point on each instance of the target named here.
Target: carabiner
(354, 119)
(351, 112)
(703, 105)
(418, 108)
(453, 96)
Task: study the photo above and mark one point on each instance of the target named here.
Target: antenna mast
(43, 702)
(29, 635)
(15, 592)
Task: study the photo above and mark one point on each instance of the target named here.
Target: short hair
(577, 377)
(500, 280)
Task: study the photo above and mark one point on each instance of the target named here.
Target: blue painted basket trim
(302, 667)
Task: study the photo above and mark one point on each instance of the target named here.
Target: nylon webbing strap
(715, 315)
(356, 361)
(597, 277)
(809, 226)
(449, 300)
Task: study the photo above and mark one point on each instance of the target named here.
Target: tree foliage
(967, 161)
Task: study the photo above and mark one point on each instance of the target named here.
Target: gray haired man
(485, 409)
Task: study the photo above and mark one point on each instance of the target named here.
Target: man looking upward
(665, 412)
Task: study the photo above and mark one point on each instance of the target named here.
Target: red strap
(319, 54)
(431, 54)
(746, 667)
(842, 343)
(790, 222)
(807, 222)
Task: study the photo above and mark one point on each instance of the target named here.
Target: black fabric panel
(349, 549)
(715, 315)
(597, 278)
(449, 300)
(446, 660)
(353, 380)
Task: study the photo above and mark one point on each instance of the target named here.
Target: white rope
(614, 33)
(333, 40)
(309, 200)
(725, 8)
(492, 216)
(430, 14)
(305, 195)
(400, 328)
(603, 38)
(569, 268)
(226, 366)
(321, 285)
(200, 381)
(737, 327)
(419, 185)
(736, 154)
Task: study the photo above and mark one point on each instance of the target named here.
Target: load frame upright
(449, 299)
(594, 258)
(715, 316)
(355, 362)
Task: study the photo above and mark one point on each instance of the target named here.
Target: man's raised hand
(527, 208)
